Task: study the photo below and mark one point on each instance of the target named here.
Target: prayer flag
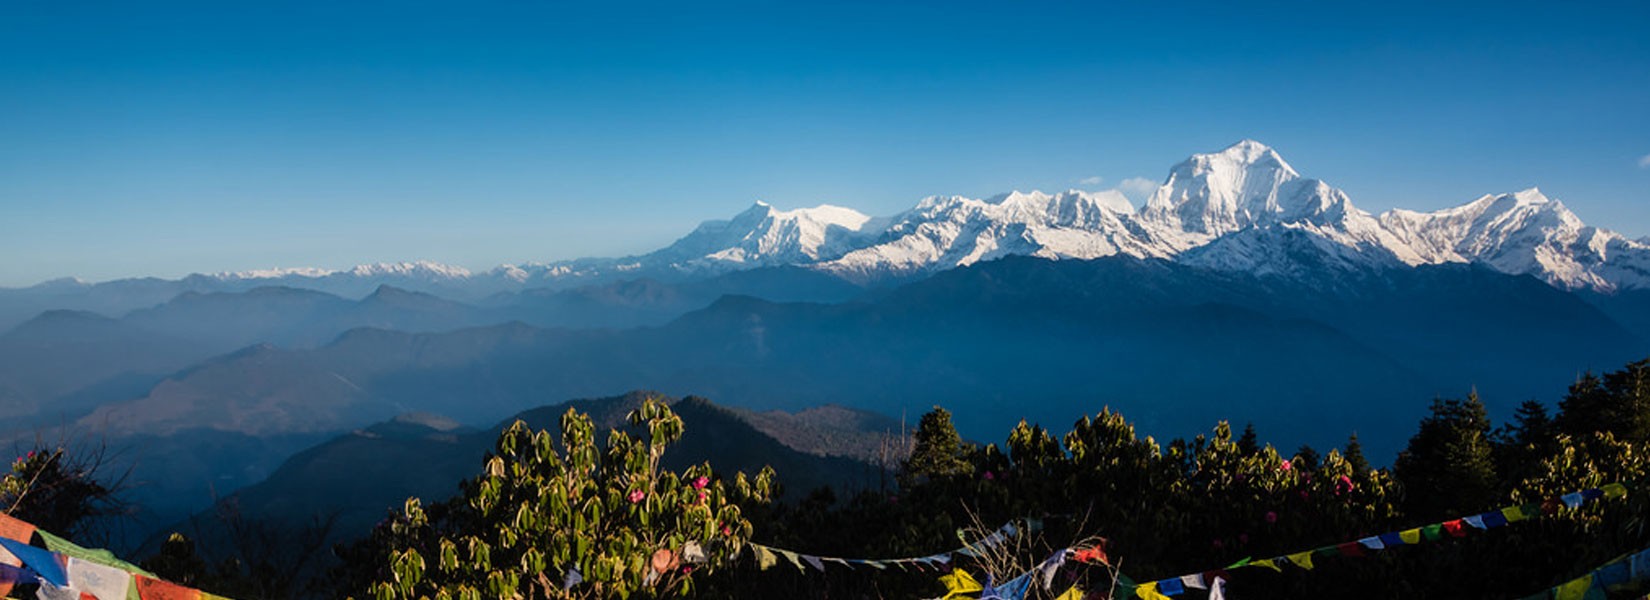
(1454, 528)
(103, 583)
(1171, 587)
(1392, 539)
(791, 556)
(1149, 592)
(1572, 499)
(1574, 589)
(1614, 490)
(1302, 560)
(1432, 532)
(155, 589)
(959, 584)
(1494, 518)
(1410, 536)
(1050, 567)
(1194, 582)
(1350, 549)
(1372, 543)
(1475, 521)
(1217, 589)
(41, 561)
(1611, 574)
(764, 557)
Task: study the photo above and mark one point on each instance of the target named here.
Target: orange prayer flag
(13, 528)
(155, 589)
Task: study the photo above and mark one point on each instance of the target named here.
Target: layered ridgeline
(1241, 209)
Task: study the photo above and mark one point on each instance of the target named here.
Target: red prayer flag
(1092, 555)
(1456, 528)
(1350, 549)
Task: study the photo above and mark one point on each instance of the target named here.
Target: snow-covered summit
(765, 236)
(1525, 233)
(413, 269)
(1244, 185)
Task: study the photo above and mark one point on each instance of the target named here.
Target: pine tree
(1448, 466)
(1618, 403)
(1355, 456)
(1249, 444)
(937, 449)
(1307, 458)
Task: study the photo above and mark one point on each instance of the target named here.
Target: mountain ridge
(1242, 189)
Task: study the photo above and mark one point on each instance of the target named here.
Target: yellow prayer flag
(1513, 514)
(1574, 590)
(1072, 594)
(959, 583)
(764, 558)
(1149, 591)
(1615, 490)
(1412, 536)
(1302, 559)
(1270, 563)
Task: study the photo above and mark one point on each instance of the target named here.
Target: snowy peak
(764, 236)
(1244, 185)
(1525, 233)
(422, 269)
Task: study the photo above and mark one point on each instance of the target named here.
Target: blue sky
(162, 139)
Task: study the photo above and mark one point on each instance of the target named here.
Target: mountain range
(1223, 210)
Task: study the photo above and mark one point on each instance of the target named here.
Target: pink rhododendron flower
(701, 482)
(1287, 466)
(1271, 517)
(989, 476)
(1344, 484)
(637, 496)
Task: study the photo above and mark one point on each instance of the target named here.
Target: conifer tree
(937, 449)
(1448, 468)
(1249, 443)
(1355, 456)
(1618, 403)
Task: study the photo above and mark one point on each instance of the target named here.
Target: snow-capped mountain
(1240, 209)
(1526, 233)
(764, 236)
(943, 232)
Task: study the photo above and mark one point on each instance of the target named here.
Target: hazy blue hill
(60, 352)
(1175, 347)
(643, 302)
(236, 319)
(361, 475)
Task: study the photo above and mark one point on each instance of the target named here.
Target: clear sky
(147, 138)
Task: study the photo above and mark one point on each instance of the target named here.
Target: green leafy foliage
(571, 518)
